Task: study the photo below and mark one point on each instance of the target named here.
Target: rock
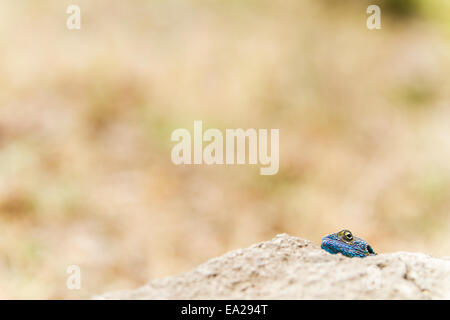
(292, 268)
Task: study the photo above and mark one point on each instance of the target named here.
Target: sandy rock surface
(287, 267)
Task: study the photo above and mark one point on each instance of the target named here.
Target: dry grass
(86, 117)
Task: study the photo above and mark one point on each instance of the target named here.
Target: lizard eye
(348, 236)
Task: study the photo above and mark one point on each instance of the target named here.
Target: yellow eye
(348, 236)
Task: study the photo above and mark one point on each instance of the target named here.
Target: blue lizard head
(345, 243)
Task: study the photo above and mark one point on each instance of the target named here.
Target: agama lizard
(344, 242)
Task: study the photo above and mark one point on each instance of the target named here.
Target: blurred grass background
(86, 117)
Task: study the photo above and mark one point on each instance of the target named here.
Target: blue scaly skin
(344, 242)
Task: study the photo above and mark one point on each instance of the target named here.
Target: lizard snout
(370, 250)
